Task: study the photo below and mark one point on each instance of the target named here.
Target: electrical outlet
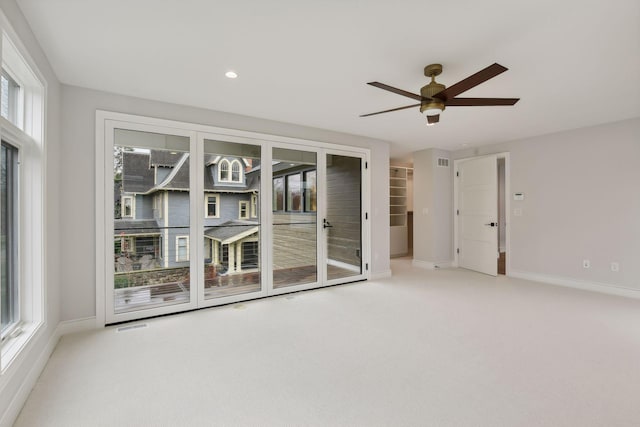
(615, 267)
(586, 263)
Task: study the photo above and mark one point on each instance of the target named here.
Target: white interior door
(478, 214)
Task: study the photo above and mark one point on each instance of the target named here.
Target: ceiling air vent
(442, 162)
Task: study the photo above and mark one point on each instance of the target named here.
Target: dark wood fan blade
(471, 81)
(473, 102)
(432, 120)
(388, 111)
(396, 90)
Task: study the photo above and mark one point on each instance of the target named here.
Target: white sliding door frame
(107, 122)
(106, 231)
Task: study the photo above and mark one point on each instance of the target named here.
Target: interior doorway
(481, 223)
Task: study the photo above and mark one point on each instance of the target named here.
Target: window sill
(12, 347)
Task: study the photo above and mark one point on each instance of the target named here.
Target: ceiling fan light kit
(435, 97)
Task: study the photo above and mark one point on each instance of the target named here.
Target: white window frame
(13, 255)
(26, 133)
(226, 163)
(206, 205)
(230, 165)
(254, 206)
(244, 203)
(15, 107)
(235, 163)
(178, 238)
(133, 206)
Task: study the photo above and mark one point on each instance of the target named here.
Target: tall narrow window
(127, 206)
(212, 203)
(293, 193)
(224, 170)
(254, 206)
(235, 171)
(278, 193)
(22, 118)
(9, 230)
(244, 210)
(182, 248)
(310, 192)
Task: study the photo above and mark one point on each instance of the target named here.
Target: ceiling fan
(434, 97)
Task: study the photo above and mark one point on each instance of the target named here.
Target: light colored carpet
(424, 348)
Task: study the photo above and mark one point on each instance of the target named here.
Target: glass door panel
(294, 205)
(343, 221)
(231, 219)
(151, 226)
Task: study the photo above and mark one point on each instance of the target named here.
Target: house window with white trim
(182, 248)
(223, 170)
(212, 205)
(254, 206)
(243, 209)
(22, 196)
(235, 171)
(230, 171)
(128, 206)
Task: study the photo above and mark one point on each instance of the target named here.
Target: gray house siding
(144, 206)
(178, 208)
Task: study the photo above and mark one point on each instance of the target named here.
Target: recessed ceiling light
(231, 74)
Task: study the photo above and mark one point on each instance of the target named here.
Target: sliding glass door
(231, 226)
(185, 226)
(294, 218)
(343, 223)
(151, 239)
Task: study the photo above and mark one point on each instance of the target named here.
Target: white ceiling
(573, 63)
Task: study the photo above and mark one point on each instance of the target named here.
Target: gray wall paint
(79, 106)
(16, 374)
(581, 202)
(432, 203)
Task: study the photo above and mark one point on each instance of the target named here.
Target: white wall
(17, 380)
(582, 201)
(78, 148)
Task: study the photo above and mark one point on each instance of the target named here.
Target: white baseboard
(78, 325)
(30, 379)
(604, 288)
(430, 265)
(382, 275)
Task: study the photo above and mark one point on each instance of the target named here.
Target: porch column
(232, 261)
(216, 252)
(239, 256)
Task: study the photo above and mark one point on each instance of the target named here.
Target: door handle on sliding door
(492, 224)
(326, 224)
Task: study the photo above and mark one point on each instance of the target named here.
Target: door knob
(492, 224)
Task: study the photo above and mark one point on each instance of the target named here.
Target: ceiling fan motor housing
(431, 89)
(428, 100)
